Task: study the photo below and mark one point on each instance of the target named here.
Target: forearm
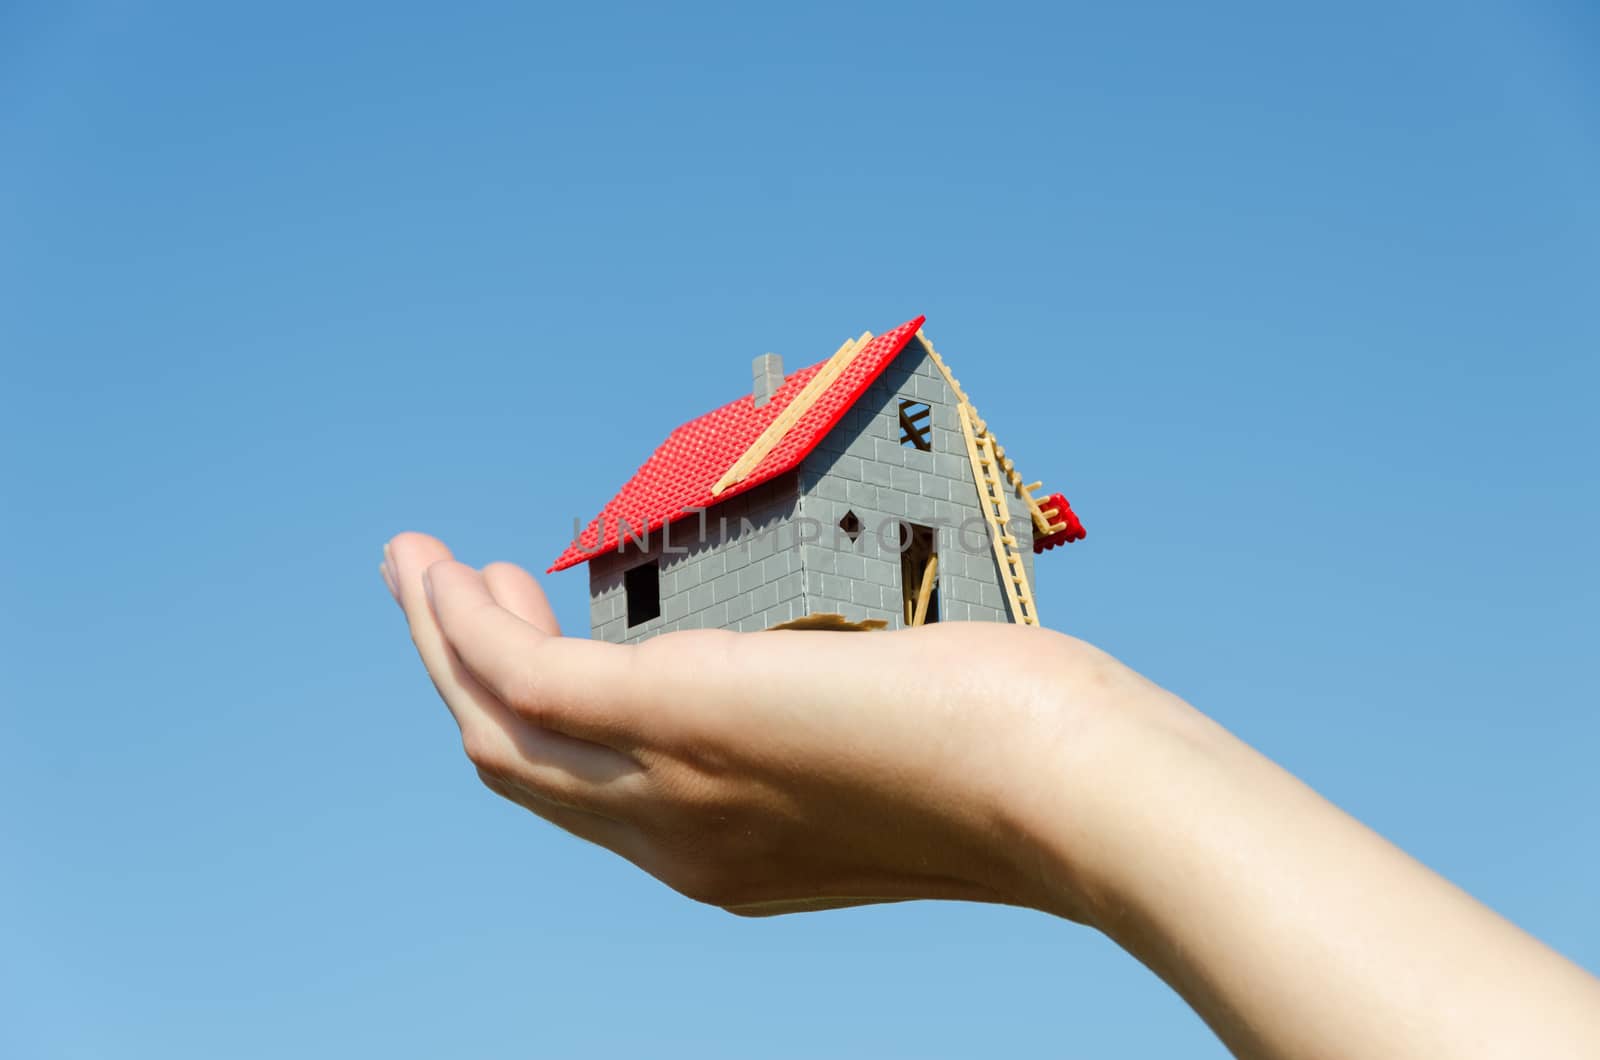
(1291, 928)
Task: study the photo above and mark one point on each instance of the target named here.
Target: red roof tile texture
(678, 477)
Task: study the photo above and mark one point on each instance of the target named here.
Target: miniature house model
(863, 492)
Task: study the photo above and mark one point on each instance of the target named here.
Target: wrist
(1102, 781)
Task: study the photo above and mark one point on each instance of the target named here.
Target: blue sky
(1298, 307)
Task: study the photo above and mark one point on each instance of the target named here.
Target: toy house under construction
(863, 492)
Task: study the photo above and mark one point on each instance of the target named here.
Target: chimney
(767, 371)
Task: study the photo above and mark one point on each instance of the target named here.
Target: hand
(764, 772)
(785, 771)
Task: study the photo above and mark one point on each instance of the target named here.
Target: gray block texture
(885, 483)
(735, 566)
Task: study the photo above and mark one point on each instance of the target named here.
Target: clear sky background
(1298, 307)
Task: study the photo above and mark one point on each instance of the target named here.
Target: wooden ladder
(1046, 521)
(987, 475)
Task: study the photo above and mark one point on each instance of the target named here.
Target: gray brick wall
(776, 553)
(744, 574)
(862, 467)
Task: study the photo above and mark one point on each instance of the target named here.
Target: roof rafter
(815, 387)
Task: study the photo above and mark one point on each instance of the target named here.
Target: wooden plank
(827, 620)
(814, 389)
(914, 432)
(925, 592)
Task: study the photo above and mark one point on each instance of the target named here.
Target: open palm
(765, 772)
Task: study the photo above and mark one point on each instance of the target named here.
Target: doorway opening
(919, 574)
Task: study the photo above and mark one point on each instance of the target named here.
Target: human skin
(793, 771)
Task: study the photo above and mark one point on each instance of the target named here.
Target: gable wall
(861, 466)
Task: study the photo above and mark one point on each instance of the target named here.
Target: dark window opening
(851, 526)
(643, 587)
(919, 574)
(916, 425)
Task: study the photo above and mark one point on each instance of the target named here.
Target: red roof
(1073, 531)
(678, 477)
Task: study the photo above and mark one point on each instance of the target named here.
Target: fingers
(556, 766)
(516, 590)
(405, 559)
(582, 688)
(615, 836)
